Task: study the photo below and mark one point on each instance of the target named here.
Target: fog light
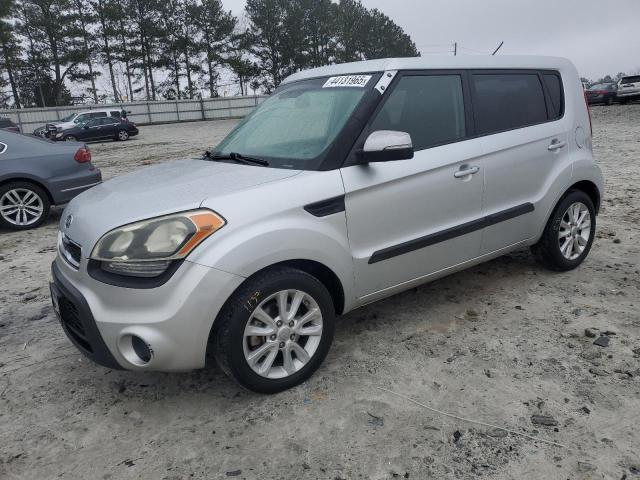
(141, 349)
(135, 350)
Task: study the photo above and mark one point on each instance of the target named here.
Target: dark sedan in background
(99, 129)
(602, 93)
(36, 173)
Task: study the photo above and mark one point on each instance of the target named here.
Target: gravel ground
(500, 343)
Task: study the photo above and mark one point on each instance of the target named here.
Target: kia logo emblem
(68, 221)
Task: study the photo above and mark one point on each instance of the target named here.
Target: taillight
(83, 155)
(586, 103)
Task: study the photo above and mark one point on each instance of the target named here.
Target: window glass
(294, 125)
(81, 118)
(554, 87)
(507, 101)
(5, 122)
(115, 113)
(97, 114)
(428, 107)
(633, 79)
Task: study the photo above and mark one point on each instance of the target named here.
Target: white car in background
(628, 89)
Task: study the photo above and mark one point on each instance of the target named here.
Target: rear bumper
(63, 189)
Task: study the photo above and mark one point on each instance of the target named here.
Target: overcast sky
(600, 36)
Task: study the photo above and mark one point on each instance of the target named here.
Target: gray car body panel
(386, 204)
(48, 164)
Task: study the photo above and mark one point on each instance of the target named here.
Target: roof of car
(433, 62)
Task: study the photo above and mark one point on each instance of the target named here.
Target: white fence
(144, 113)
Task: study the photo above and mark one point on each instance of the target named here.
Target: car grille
(71, 321)
(70, 250)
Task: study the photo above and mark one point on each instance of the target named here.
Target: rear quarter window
(553, 83)
(506, 101)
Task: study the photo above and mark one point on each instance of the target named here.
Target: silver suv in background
(349, 184)
(628, 89)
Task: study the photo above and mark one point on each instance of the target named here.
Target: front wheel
(70, 138)
(123, 135)
(569, 233)
(275, 331)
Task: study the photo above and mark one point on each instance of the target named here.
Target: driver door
(409, 219)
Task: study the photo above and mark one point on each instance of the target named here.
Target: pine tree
(10, 47)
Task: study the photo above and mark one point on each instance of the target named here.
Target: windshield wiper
(237, 157)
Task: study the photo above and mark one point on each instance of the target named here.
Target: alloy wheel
(575, 231)
(282, 334)
(21, 206)
(123, 135)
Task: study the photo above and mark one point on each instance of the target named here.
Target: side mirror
(386, 146)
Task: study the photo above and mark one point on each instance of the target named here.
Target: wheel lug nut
(279, 323)
(281, 344)
(273, 337)
(291, 323)
(292, 337)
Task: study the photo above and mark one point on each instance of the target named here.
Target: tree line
(153, 49)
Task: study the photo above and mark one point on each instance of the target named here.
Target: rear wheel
(123, 135)
(275, 331)
(23, 205)
(569, 233)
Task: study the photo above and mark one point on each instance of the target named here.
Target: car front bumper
(173, 320)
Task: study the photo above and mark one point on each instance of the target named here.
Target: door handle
(465, 171)
(556, 145)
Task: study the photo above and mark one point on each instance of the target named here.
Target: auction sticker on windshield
(347, 81)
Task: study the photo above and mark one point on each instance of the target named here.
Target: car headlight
(59, 135)
(148, 247)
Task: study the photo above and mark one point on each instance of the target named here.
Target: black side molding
(326, 207)
(449, 233)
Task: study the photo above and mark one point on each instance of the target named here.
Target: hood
(158, 190)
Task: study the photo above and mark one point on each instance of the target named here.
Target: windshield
(68, 118)
(298, 123)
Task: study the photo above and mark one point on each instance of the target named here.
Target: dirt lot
(498, 344)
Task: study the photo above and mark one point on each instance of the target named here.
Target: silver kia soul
(347, 185)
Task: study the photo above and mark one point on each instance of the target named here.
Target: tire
(553, 250)
(123, 135)
(35, 206)
(233, 346)
(70, 138)
(608, 101)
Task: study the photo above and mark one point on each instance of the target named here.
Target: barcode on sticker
(347, 81)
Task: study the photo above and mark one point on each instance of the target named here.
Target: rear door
(525, 139)
(110, 126)
(410, 218)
